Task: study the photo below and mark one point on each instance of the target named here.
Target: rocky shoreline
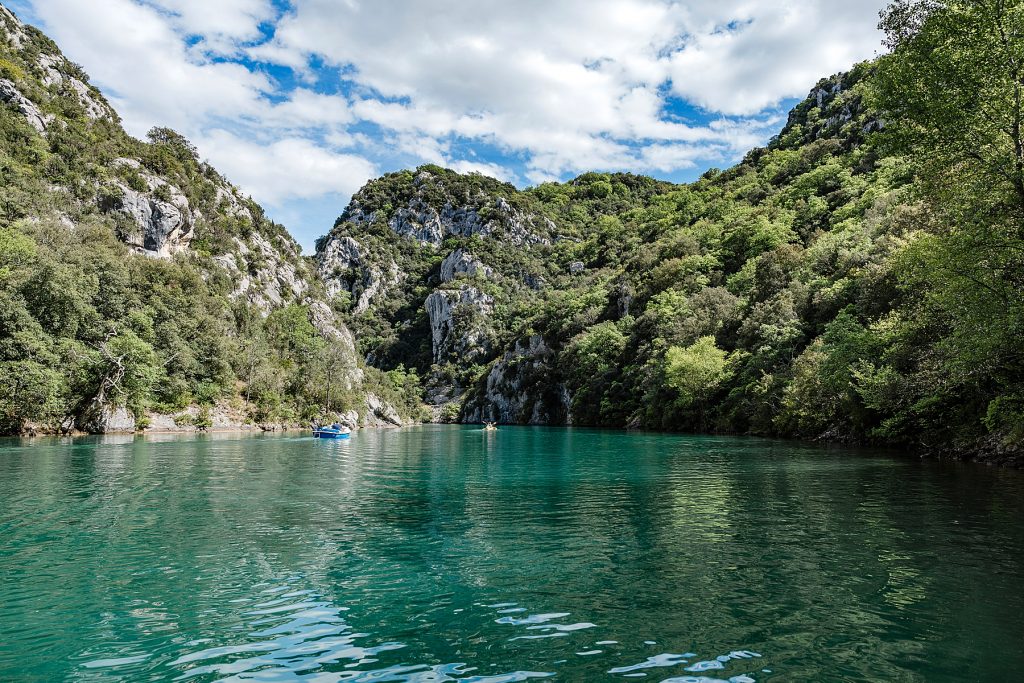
(376, 413)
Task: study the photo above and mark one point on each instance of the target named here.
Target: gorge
(814, 290)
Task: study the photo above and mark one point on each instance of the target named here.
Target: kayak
(328, 433)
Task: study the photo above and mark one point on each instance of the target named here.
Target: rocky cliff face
(427, 258)
(425, 208)
(494, 294)
(160, 226)
(432, 210)
(521, 388)
(832, 104)
(162, 199)
(162, 202)
(53, 71)
(461, 262)
(343, 268)
(458, 323)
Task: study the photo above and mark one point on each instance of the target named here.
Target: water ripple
(432, 554)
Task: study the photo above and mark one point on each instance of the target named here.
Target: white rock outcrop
(55, 69)
(461, 262)
(426, 220)
(380, 413)
(343, 266)
(163, 226)
(467, 339)
(10, 94)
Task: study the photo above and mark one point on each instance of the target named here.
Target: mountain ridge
(781, 296)
(218, 355)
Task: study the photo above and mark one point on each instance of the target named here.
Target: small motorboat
(335, 431)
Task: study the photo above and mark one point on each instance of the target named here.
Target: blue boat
(331, 433)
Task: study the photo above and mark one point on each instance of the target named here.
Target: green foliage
(696, 371)
(858, 278)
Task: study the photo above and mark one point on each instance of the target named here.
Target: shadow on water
(453, 554)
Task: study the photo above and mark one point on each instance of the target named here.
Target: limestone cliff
(68, 163)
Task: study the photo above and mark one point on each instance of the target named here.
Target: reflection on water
(451, 554)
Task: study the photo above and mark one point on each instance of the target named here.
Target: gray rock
(231, 204)
(53, 67)
(281, 276)
(10, 94)
(576, 267)
(442, 307)
(343, 266)
(381, 413)
(536, 282)
(109, 420)
(423, 220)
(15, 30)
(350, 419)
(461, 262)
(518, 389)
(164, 227)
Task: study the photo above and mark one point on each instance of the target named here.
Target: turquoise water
(450, 554)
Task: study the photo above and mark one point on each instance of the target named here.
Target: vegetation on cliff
(133, 276)
(860, 278)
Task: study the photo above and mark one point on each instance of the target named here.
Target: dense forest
(858, 279)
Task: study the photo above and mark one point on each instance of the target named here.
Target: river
(445, 553)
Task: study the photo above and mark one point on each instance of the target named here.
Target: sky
(300, 102)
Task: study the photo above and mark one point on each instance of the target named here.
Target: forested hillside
(137, 284)
(858, 279)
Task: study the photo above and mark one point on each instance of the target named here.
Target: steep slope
(135, 278)
(769, 298)
(444, 272)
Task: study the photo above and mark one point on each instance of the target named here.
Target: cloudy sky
(301, 101)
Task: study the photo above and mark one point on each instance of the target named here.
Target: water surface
(450, 554)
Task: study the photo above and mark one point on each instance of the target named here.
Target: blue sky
(300, 102)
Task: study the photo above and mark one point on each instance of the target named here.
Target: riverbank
(220, 418)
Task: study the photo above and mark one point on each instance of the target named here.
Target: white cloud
(578, 82)
(556, 86)
(493, 170)
(221, 24)
(144, 65)
(140, 54)
(775, 50)
(269, 171)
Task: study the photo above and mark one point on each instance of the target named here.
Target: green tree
(953, 91)
(696, 371)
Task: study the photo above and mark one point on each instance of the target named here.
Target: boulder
(109, 420)
(381, 413)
